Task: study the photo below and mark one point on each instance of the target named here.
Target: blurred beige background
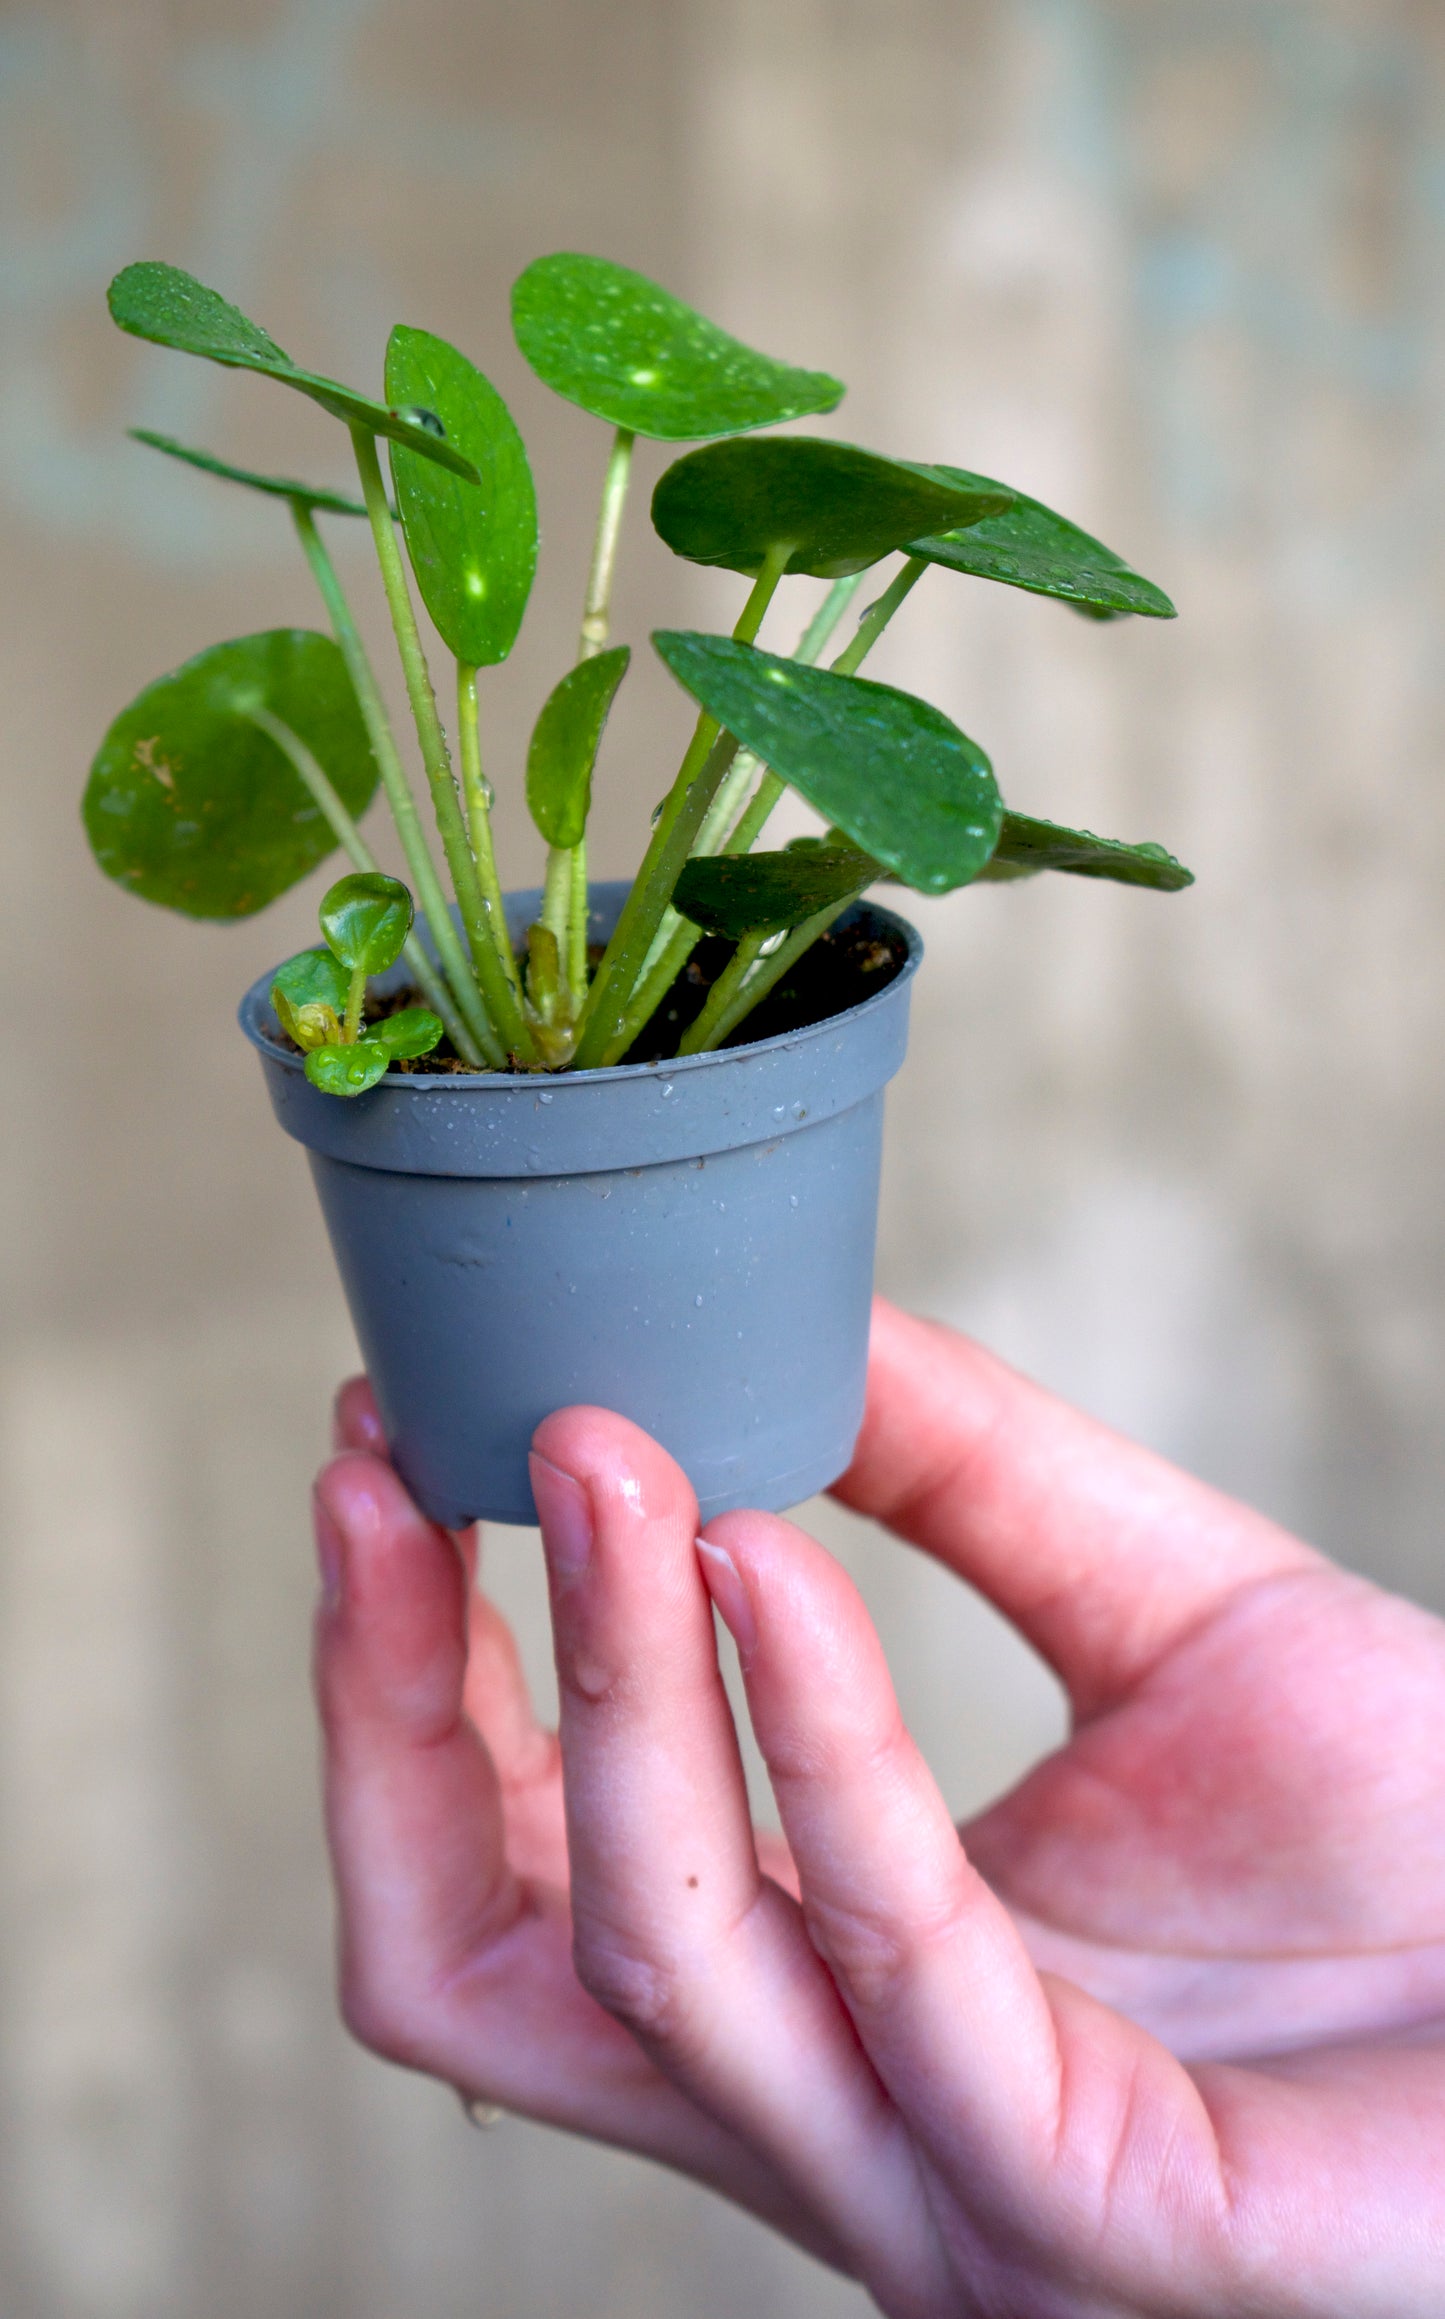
(1173, 265)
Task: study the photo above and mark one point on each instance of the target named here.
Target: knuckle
(873, 1952)
(379, 2016)
(642, 1991)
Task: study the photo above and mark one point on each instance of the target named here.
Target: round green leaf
(634, 355)
(171, 308)
(838, 507)
(414, 1031)
(473, 546)
(893, 773)
(1028, 546)
(191, 805)
(279, 486)
(737, 894)
(1025, 846)
(366, 917)
(565, 742)
(347, 1070)
(312, 978)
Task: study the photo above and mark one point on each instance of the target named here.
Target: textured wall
(1173, 265)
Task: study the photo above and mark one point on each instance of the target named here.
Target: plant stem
(877, 617)
(699, 1039)
(577, 928)
(426, 885)
(677, 937)
(708, 757)
(355, 1000)
(479, 817)
(430, 983)
(597, 610)
(745, 995)
(496, 988)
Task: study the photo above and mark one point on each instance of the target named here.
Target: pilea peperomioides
(230, 779)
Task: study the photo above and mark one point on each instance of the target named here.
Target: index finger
(1099, 1552)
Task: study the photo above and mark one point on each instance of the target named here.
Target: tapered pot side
(688, 1243)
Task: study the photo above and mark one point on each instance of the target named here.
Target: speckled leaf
(1028, 546)
(191, 805)
(737, 894)
(893, 773)
(366, 917)
(473, 546)
(564, 745)
(347, 1070)
(171, 308)
(634, 355)
(278, 486)
(1026, 846)
(841, 508)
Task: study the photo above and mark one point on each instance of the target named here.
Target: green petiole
(497, 989)
(477, 793)
(430, 983)
(708, 757)
(426, 885)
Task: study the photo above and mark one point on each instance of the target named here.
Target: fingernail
(565, 1513)
(731, 1597)
(330, 1556)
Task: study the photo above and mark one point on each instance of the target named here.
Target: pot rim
(255, 1017)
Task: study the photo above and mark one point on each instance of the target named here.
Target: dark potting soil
(848, 964)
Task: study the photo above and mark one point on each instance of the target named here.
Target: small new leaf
(896, 776)
(366, 918)
(414, 1031)
(1028, 546)
(189, 804)
(308, 1026)
(1026, 846)
(631, 353)
(564, 745)
(737, 894)
(838, 507)
(311, 978)
(473, 546)
(347, 1070)
(171, 308)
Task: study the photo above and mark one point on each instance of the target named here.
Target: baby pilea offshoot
(230, 779)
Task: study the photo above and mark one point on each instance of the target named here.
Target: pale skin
(1162, 2032)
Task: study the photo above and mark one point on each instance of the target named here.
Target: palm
(1191, 2063)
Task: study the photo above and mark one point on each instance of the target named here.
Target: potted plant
(615, 1143)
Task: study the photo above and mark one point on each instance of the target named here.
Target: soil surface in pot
(843, 967)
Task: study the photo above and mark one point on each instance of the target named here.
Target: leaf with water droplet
(366, 917)
(411, 1031)
(1026, 846)
(191, 805)
(564, 745)
(312, 978)
(840, 508)
(171, 308)
(347, 1070)
(473, 546)
(737, 894)
(631, 353)
(1028, 546)
(896, 776)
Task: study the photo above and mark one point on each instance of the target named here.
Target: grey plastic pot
(689, 1243)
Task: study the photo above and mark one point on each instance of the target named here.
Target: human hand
(1165, 2034)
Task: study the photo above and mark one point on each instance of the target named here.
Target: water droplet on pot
(534, 1158)
(697, 1300)
(780, 1111)
(544, 1099)
(665, 1088)
(792, 1199)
